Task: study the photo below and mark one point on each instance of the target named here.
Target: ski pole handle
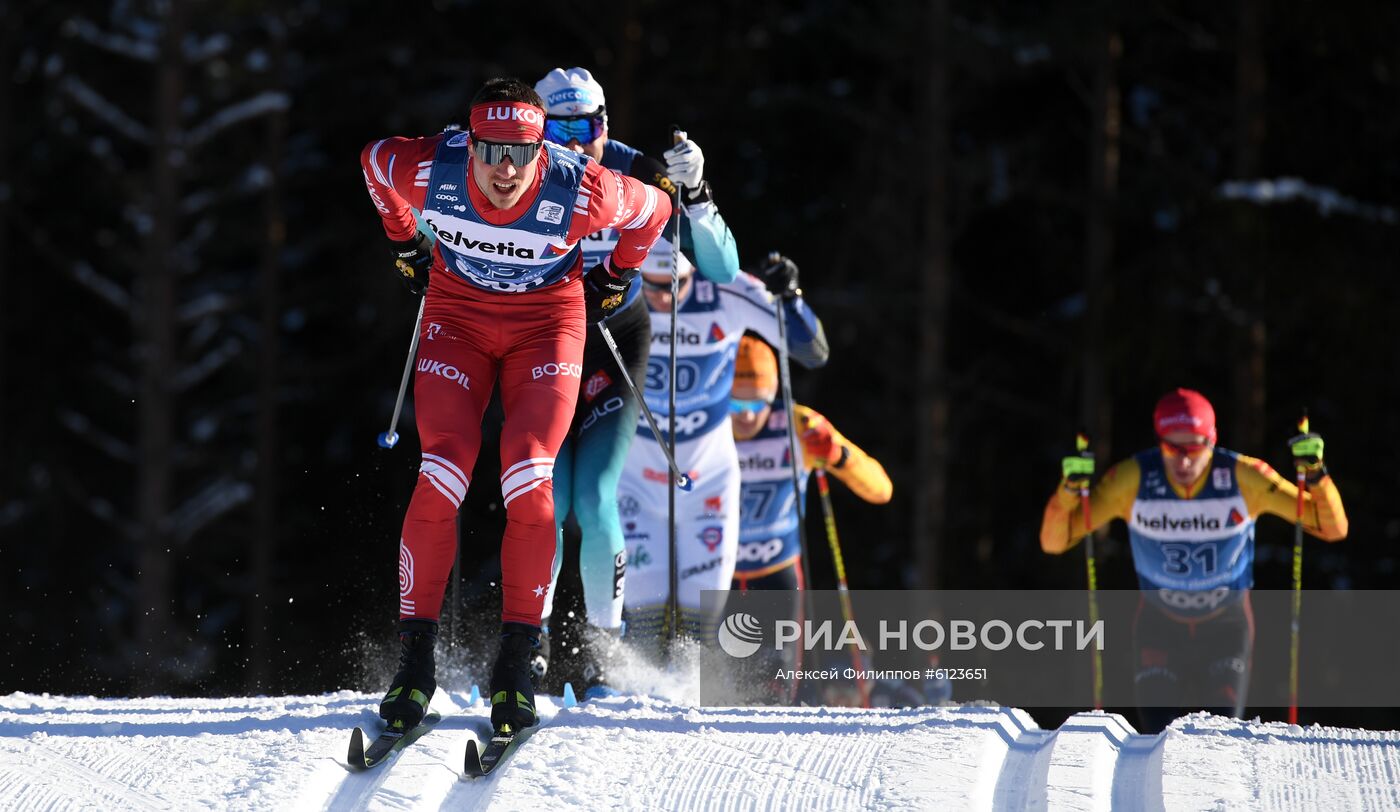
(677, 135)
(1301, 472)
(1081, 444)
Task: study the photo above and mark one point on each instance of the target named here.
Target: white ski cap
(658, 262)
(570, 92)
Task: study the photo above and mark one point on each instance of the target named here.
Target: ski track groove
(1137, 775)
(422, 766)
(479, 793)
(71, 784)
(1354, 775)
(835, 773)
(1022, 780)
(823, 777)
(723, 769)
(357, 789)
(647, 753)
(404, 781)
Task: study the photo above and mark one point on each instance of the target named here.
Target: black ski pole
(785, 379)
(681, 480)
(390, 437)
(1081, 444)
(1297, 602)
(673, 607)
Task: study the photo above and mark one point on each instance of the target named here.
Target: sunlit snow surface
(640, 752)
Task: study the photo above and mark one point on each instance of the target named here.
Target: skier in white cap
(588, 469)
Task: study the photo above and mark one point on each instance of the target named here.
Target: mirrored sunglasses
(492, 153)
(664, 285)
(585, 128)
(738, 406)
(1187, 450)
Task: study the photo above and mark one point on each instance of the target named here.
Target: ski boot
(407, 700)
(601, 652)
(539, 662)
(512, 690)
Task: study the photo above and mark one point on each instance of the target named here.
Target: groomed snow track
(642, 753)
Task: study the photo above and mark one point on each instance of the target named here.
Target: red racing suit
(505, 303)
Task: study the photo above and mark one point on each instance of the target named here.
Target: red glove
(819, 444)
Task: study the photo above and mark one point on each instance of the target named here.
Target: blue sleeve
(757, 310)
(805, 337)
(707, 240)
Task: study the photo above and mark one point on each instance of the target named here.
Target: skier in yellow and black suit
(1190, 509)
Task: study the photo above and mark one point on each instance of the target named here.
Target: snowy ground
(650, 753)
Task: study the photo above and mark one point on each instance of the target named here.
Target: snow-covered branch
(203, 333)
(254, 179)
(216, 499)
(76, 493)
(208, 365)
(94, 102)
(139, 218)
(88, 32)
(189, 247)
(197, 201)
(119, 381)
(197, 50)
(270, 101)
(207, 304)
(100, 148)
(1326, 201)
(80, 425)
(107, 512)
(257, 178)
(106, 289)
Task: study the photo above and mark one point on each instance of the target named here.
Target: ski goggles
(664, 284)
(585, 129)
(1192, 450)
(491, 153)
(740, 406)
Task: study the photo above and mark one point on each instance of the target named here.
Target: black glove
(694, 195)
(780, 275)
(603, 291)
(412, 259)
